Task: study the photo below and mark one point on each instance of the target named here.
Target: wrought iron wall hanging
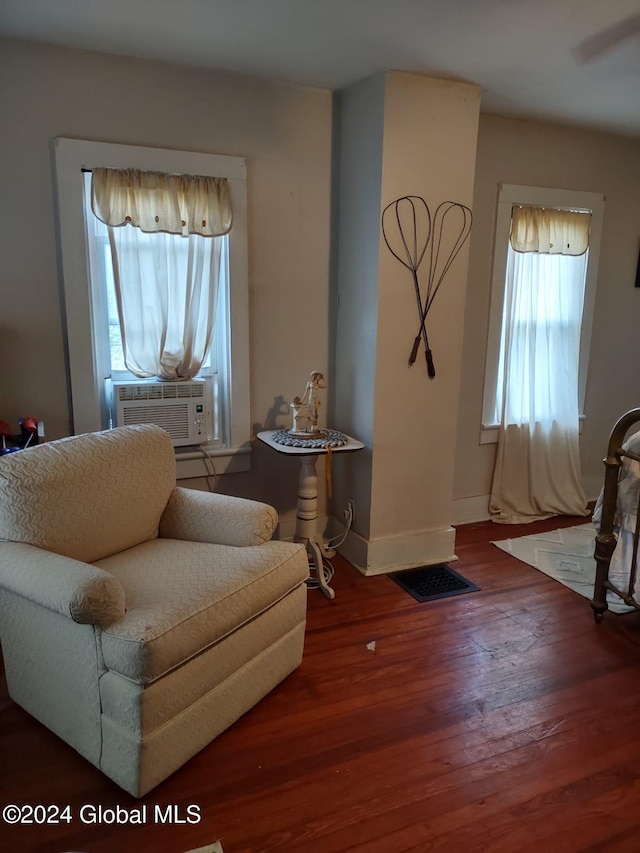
(410, 233)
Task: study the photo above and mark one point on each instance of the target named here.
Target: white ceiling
(521, 52)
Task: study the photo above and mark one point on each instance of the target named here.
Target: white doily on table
(326, 438)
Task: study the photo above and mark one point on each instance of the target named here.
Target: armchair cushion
(88, 496)
(84, 593)
(183, 598)
(220, 519)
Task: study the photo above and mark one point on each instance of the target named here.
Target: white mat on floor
(566, 555)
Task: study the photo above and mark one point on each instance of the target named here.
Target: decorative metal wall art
(410, 233)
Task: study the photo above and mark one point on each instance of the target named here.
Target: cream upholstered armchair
(139, 620)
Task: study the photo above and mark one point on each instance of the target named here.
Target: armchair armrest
(80, 591)
(218, 519)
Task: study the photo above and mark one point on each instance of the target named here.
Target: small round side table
(307, 513)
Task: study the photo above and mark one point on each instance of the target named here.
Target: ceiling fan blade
(597, 44)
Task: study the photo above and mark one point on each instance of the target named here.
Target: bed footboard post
(606, 540)
(605, 545)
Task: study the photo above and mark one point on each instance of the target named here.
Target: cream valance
(155, 202)
(548, 231)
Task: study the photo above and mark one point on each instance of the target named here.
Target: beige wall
(429, 151)
(284, 131)
(536, 154)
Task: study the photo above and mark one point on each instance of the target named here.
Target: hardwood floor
(499, 720)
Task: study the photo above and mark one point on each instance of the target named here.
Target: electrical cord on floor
(211, 470)
(326, 568)
(327, 571)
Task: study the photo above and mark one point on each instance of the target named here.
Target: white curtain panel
(166, 287)
(165, 233)
(537, 472)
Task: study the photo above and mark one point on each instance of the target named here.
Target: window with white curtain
(543, 314)
(215, 367)
(95, 342)
(540, 300)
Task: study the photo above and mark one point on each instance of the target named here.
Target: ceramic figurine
(305, 408)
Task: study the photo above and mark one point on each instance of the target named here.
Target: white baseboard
(394, 553)
(380, 556)
(475, 509)
(470, 510)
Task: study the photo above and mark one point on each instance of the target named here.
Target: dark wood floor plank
(430, 789)
(499, 720)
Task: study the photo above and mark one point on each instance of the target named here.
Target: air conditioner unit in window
(183, 409)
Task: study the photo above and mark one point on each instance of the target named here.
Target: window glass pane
(115, 337)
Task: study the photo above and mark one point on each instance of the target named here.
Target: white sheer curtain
(165, 234)
(537, 472)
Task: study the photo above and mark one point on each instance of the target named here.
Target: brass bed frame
(606, 538)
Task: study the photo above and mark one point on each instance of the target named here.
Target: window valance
(548, 231)
(156, 202)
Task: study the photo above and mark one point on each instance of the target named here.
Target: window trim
(510, 194)
(86, 374)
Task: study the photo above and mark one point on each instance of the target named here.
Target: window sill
(489, 432)
(191, 463)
